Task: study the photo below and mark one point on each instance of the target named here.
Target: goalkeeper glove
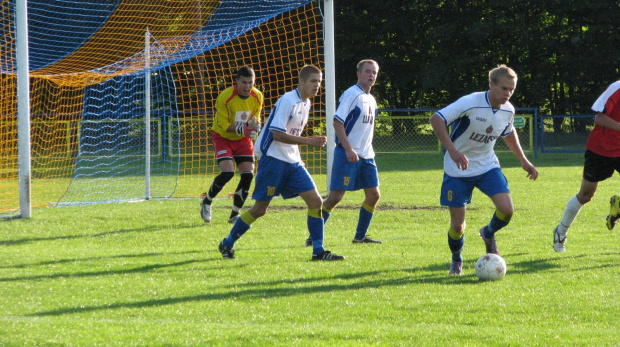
(253, 123)
(243, 130)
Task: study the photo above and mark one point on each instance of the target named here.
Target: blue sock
(240, 227)
(325, 214)
(498, 221)
(456, 246)
(366, 214)
(316, 229)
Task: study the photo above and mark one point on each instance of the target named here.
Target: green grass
(149, 273)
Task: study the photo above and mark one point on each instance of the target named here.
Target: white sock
(570, 213)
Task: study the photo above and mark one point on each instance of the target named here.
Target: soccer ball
(490, 267)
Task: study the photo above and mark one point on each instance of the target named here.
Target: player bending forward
(236, 123)
(477, 121)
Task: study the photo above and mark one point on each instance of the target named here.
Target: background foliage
(431, 52)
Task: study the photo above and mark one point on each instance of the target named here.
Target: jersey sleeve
(508, 129)
(608, 100)
(222, 117)
(281, 115)
(259, 107)
(347, 100)
(455, 110)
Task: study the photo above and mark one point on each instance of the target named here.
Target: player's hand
(318, 141)
(352, 157)
(532, 173)
(460, 159)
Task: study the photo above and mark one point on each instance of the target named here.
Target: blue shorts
(276, 177)
(352, 176)
(457, 191)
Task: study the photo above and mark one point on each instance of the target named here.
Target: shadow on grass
(145, 268)
(88, 259)
(434, 274)
(260, 292)
(72, 237)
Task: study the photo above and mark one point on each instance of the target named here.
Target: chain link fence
(409, 131)
(565, 133)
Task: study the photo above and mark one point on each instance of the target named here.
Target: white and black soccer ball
(490, 267)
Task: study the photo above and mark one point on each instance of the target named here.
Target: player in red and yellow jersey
(236, 124)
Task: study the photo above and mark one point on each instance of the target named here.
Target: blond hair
(501, 71)
(360, 65)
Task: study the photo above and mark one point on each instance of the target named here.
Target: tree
(432, 52)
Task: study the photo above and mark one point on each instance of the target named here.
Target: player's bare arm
(512, 141)
(344, 141)
(439, 128)
(604, 121)
(318, 141)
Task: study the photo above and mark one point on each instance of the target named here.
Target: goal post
(91, 139)
(330, 86)
(23, 108)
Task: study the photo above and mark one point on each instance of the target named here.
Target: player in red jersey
(602, 158)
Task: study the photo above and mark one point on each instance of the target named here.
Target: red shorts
(241, 150)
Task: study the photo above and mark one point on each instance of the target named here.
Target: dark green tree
(432, 52)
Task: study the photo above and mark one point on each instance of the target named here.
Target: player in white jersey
(477, 121)
(280, 169)
(291, 118)
(354, 165)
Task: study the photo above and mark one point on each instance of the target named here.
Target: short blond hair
(501, 71)
(360, 65)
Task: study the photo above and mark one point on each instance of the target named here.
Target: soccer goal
(122, 92)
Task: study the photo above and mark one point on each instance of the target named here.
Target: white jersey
(476, 125)
(289, 115)
(356, 110)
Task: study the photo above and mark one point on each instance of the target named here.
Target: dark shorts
(598, 167)
(241, 150)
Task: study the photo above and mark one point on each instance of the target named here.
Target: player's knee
(505, 215)
(257, 211)
(315, 202)
(585, 197)
(333, 199)
(459, 229)
(373, 198)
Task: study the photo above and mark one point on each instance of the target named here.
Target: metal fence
(409, 130)
(564, 133)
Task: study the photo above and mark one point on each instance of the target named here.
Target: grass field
(149, 273)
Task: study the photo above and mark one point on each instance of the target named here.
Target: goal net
(100, 97)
